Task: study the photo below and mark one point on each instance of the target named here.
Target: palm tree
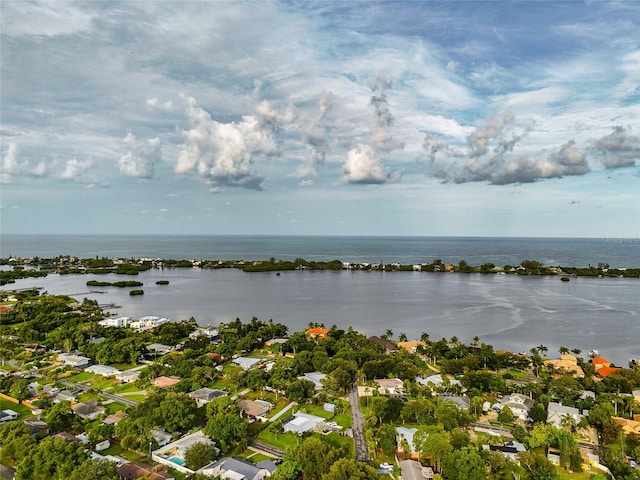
(563, 350)
(388, 335)
(403, 337)
(542, 350)
(476, 341)
(424, 337)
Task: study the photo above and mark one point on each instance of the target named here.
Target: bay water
(507, 311)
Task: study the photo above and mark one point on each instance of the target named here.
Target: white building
(77, 361)
(173, 454)
(207, 331)
(103, 370)
(148, 323)
(8, 415)
(115, 322)
(556, 413)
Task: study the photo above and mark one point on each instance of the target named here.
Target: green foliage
(350, 469)
(95, 469)
(53, 458)
(463, 464)
(199, 455)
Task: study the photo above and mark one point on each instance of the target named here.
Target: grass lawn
(6, 368)
(253, 456)
(336, 440)
(114, 407)
(124, 366)
(125, 388)
(343, 419)
(283, 441)
(21, 410)
(137, 398)
(82, 377)
(121, 452)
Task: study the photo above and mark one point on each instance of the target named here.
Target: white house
(8, 415)
(238, 469)
(246, 362)
(103, 370)
(404, 433)
(518, 403)
(115, 322)
(148, 323)
(557, 412)
(315, 377)
(77, 361)
(208, 331)
(303, 422)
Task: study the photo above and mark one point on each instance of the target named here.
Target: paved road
(110, 396)
(357, 424)
(283, 411)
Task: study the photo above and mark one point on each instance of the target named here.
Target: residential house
(557, 412)
(390, 386)
(246, 363)
(255, 409)
(36, 426)
(128, 376)
(115, 322)
(389, 347)
(317, 333)
(103, 370)
(404, 434)
(566, 363)
(238, 469)
(71, 360)
(518, 403)
(302, 422)
(8, 415)
(598, 362)
(159, 348)
(315, 377)
(114, 418)
(208, 331)
(606, 371)
(463, 403)
(63, 396)
(205, 395)
(136, 470)
(161, 437)
(413, 470)
(173, 454)
(89, 409)
(508, 449)
(440, 381)
(628, 426)
(148, 323)
(411, 346)
(165, 382)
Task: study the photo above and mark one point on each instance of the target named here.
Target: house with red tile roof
(606, 371)
(317, 333)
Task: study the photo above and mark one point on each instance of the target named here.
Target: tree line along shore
(33, 267)
(84, 395)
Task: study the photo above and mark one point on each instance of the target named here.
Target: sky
(474, 118)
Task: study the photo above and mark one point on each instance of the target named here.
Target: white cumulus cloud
(362, 167)
(140, 156)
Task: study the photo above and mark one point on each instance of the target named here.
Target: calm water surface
(512, 312)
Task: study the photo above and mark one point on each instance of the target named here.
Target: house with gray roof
(302, 422)
(413, 470)
(404, 433)
(246, 362)
(556, 413)
(205, 395)
(315, 377)
(237, 469)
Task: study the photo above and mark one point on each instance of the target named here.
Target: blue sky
(353, 118)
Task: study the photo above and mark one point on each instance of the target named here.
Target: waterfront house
(566, 363)
(115, 322)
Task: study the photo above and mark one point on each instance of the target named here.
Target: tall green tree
(464, 464)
